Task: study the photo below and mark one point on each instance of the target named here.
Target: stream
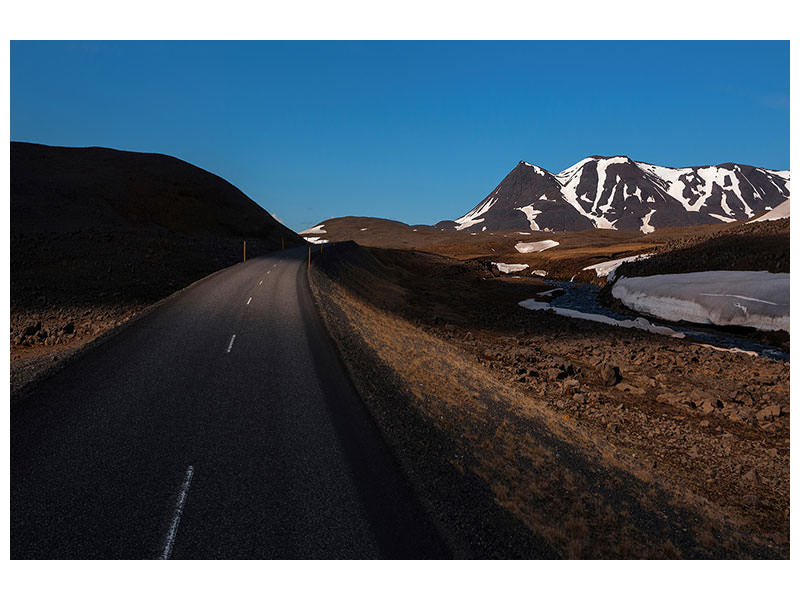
(583, 297)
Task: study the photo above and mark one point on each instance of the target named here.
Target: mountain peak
(537, 169)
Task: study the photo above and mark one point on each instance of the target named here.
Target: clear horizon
(412, 131)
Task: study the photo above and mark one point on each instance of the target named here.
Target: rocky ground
(707, 429)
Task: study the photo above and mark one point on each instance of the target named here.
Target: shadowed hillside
(99, 234)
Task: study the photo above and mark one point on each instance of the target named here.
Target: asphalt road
(175, 439)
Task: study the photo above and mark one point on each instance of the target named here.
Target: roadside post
(244, 250)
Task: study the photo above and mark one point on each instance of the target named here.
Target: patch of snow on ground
(317, 229)
(779, 212)
(607, 268)
(757, 299)
(540, 273)
(509, 267)
(526, 247)
(530, 214)
(638, 323)
(363, 229)
(315, 240)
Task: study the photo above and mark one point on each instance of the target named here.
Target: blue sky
(414, 131)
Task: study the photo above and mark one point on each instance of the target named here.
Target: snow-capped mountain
(619, 193)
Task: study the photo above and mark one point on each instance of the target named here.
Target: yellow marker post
(309, 257)
(281, 242)
(244, 250)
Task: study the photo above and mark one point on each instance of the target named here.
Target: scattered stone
(609, 375)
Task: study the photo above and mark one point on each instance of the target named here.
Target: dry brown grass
(567, 485)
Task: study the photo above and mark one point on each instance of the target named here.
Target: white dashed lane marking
(230, 344)
(169, 541)
(249, 299)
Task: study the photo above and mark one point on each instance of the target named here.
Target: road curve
(219, 425)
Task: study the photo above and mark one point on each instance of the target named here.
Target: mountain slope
(56, 189)
(619, 193)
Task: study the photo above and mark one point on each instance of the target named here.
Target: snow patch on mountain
(471, 218)
(537, 170)
(570, 192)
(646, 227)
(567, 173)
(530, 214)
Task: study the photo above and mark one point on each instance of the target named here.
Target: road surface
(219, 425)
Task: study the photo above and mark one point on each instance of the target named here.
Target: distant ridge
(616, 192)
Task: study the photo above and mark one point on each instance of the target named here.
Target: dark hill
(98, 234)
(98, 189)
